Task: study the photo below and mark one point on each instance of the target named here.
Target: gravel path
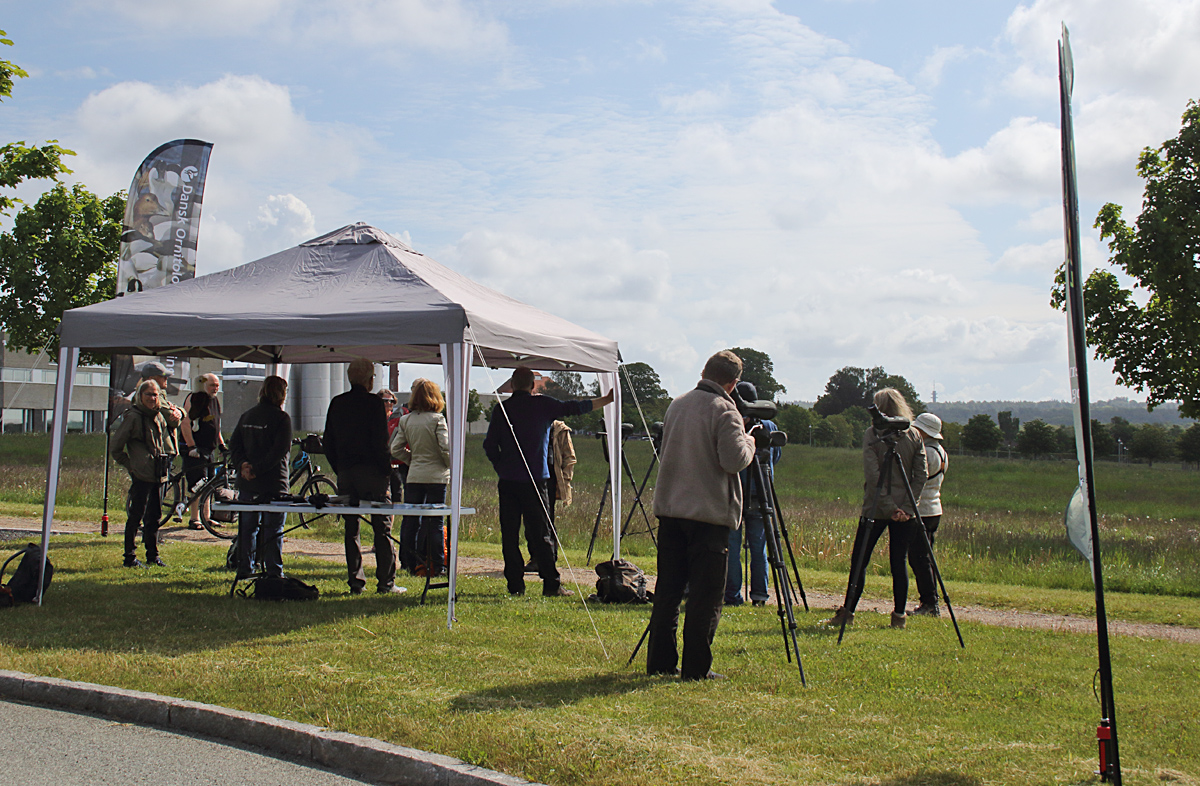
(16, 529)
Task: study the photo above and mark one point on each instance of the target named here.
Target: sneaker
(393, 590)
(926, 610)
(735, 602)
(839, 617)
(758, 603)
(156, 560)
(133, 563)
(561, 592)
(712, 675)
(898, 620)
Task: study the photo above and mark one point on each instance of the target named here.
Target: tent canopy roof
(357, 292)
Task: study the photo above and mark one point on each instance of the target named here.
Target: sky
(833, 182)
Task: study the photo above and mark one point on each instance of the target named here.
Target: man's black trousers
(692, 555)
(523, 499)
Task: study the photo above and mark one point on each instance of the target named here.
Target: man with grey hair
(356, 444)
(171, 413)
(698, 500)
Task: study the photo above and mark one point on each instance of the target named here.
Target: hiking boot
(839, 617)
(898, 619)
(926, 610)
(561, 592)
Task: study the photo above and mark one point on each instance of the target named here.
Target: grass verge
(522, 685)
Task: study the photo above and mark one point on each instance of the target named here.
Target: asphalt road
(45, 746)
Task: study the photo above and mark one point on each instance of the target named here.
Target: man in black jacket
(356, 444)
(260, 446)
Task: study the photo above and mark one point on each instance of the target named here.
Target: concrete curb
(363, 756)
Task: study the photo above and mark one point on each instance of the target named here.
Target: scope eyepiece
(884, 423)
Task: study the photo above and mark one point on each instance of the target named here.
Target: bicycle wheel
(225, 530)
(317, 484)
(172, 495)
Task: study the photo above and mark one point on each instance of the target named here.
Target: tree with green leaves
(1152, 443)
(981, 434)
(61, 254)
(796, 422)
(1037, 438)
(474, 406)
(1189, 444)
(758, 369)
(18, 161)
(1009, 426)
(1153, 346)
(855, 387)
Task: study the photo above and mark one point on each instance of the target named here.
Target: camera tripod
(859, 557)
(638, 489)
(777, 538)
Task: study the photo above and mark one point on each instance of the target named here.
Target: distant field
(1003, 523)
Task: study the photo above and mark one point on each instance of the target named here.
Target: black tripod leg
(857, 557)
(787, 541)
(637, 502)
(637, 498)
(641, 641)
(599, 515)
(783, 588)
(932, 559)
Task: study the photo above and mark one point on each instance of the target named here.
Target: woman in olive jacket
(886, 506)
(139, 445)
(422, 441)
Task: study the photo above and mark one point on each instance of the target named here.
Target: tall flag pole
(1082, 525)
(158, 247)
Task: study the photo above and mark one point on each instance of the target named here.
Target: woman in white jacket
(422, 441)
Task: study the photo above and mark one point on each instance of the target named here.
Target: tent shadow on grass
(549, 693)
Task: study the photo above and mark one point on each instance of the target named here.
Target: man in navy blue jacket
(517, 444)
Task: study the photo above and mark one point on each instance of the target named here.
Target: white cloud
(387, 27)
(931, 72)
(272, 172)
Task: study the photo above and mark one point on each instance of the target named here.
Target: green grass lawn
(539, 688)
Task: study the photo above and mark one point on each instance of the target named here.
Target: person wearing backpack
(139, 445)
(930, 508)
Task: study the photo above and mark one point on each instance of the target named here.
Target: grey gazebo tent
(357, 292)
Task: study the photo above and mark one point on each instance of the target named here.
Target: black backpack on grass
(22, 588)
(262, 587)
(621, 582)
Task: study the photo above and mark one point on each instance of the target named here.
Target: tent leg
(65, 381)
(612, 425)
(456, 361)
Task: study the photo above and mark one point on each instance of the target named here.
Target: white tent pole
(612, 425)
(456, 362)
(64, 381)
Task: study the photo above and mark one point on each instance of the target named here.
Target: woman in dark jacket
(886, 506)
(138, 444)
(261, 444)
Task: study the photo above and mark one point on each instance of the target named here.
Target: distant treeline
(1056, 413)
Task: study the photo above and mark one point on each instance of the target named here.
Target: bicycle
(306, 479)
(176, 497)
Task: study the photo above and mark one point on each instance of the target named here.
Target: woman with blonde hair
(422, 441)
(886, 504)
